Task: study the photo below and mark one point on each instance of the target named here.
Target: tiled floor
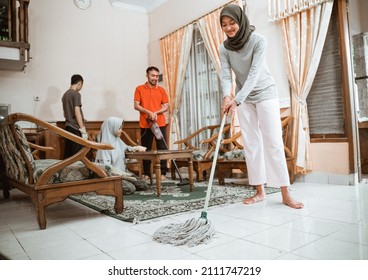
(333, 225)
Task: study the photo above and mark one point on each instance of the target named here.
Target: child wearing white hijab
(111, 130)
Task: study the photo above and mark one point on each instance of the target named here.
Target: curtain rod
(194, 21)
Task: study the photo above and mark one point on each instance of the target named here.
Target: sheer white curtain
(182, 66)
(201, 99)
(304, 28)
(175, 50)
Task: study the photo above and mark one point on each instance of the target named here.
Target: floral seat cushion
(74, 172)
(199, 155)
(234, 155)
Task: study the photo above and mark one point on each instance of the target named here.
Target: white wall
(358, 16)
(105, 44)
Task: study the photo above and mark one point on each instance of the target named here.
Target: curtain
(304, 35)
(213, 37)
(175, 50)
(212, 34)
(280, 9)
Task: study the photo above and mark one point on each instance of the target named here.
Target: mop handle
(212, 174)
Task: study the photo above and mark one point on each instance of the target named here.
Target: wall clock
(82, 4)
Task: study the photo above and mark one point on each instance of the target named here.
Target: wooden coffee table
(157, 156)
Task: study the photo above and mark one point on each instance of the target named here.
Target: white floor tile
(150, 251)
(240, 250)
(332, 225)
(73, 250)
(119, 241)
(48, 239)
(243, 227)
(332, 249)
(315, 226)
(289, 257)
(282, 239)
(357, 233)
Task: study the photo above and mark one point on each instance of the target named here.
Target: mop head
(191, 233)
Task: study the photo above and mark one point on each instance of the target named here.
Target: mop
(197, 230)
(158, 134)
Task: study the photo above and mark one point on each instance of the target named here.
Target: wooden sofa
(235, 158)
(202, 158)
(48, 181)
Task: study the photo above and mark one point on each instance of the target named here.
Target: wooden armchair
(202, 158)
(235, 159)
(286, 123)
(48, 181)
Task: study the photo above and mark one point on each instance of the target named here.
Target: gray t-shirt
(254, 82)
(71, 99)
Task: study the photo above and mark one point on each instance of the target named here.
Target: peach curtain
(210, 29)
(175, 50)
(211, 32)
(304, 34)
(213, 36)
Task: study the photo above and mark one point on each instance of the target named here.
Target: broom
(196, 230)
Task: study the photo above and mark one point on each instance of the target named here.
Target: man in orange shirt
(151, 101)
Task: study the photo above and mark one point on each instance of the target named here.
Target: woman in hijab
(256, 102)
(111, 131)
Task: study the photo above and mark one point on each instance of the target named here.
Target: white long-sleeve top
(254, 81)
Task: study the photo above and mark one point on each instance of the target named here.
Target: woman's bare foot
(259, 196)
(254, 199)
(289, 201)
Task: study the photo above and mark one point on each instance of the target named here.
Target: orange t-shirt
(152, 99)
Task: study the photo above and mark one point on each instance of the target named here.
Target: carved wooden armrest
(80, 156)
(38, 148)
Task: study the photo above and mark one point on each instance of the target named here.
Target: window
(4, 20)
(201, 97)
(325, 100)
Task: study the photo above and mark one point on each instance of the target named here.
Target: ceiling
(138, 5)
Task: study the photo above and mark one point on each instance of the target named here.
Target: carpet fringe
(193, 232)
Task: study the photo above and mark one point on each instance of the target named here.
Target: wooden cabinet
(51, 139)
(32, 135)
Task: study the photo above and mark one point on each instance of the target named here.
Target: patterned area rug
(145, 205)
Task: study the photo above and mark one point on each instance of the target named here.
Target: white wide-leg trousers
(260, 125)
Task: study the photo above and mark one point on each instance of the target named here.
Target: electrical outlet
(36, 98)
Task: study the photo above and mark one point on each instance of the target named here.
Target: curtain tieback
(303, 111)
